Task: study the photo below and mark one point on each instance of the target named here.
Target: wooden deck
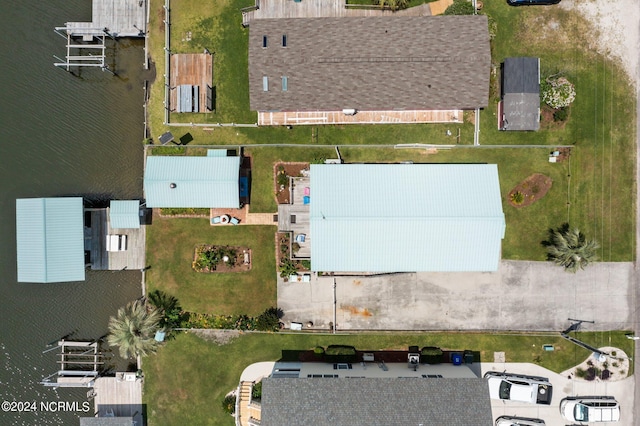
(119, 396)
(299, 210)
(96, 242)
(361, 117)
(249, 412)
(320, 9)
(122, 18)
(191, 68)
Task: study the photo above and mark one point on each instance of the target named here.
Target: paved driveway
(520, 296)
(562, 387)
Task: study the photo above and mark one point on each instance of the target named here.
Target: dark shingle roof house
(520, 94)
(369, 63)
(375, 401)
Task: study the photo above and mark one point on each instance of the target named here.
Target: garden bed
(530, 190)
(210, 258)
(286, 265)
(281, 174)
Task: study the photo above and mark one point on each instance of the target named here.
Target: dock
(133, 255)
(119, 396)
(196, 70)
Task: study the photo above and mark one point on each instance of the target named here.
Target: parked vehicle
(590, 409)
(517, 387)
(532, 2)
(518, 421)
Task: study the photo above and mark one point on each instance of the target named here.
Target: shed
(50, 239)
(124, 214)
(520, 94)
(192, 182)
(405, 217)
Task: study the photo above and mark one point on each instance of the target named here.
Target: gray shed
(520, 94)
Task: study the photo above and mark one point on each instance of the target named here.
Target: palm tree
(569, 248)
(168, 307)
(133, 330)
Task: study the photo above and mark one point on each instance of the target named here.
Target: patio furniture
(300, 238)
(234, 221)
(116, 242)
(224, 218)
(306, 199)
(307, 190)
(216, 220)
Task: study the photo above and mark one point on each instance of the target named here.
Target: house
(50, 240)
(405, 217)
(192, 182)
(367, 394)
(520, 105)
(341, 69)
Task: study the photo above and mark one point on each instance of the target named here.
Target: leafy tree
(460, 7)
(570, 248)
(269, 320)
(133, 329)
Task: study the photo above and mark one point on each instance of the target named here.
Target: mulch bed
(546, 119)
(533, 188)
(224, 267)
(291, 170)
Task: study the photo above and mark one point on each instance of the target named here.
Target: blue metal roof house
(405, 217)
(124, 214)
(198, 182)
(50, 239)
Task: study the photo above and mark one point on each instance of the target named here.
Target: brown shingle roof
(370, 63)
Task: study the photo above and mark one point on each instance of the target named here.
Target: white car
(520, 388)
(518, 421)
(590, 409)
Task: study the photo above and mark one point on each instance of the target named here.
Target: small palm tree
(569, 248)
(133, 330)
(168, 307)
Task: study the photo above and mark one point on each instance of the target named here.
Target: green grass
(170, 250)
(188, 378)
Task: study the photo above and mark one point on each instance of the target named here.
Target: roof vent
(172, 185)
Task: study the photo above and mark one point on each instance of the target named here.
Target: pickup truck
(519, 388)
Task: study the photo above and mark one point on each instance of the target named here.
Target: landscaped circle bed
(530, 190)
(210, 258)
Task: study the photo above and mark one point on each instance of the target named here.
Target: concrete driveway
(622, 391)
(520, 296)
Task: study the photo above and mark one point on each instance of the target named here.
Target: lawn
(188, 378)
(170, 250)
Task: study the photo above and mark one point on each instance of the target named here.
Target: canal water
(60, 135)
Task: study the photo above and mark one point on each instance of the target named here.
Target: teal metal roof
(216, 153)
(405, 217)
(124, 214)
(210, 182)
(50, 239)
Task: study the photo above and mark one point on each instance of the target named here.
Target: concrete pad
(525, 296)
(257, 371)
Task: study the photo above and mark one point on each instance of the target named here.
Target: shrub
(269, 320)
(558, 93)
(340, 350)
(318, 350)
(605, 374)
(517, 198)
(287, 267)
(229, 404)
(256, 391)
(561, 115)
(581, 373)
(460, 7)
(431, 355)
(282, 178)
(306, 264)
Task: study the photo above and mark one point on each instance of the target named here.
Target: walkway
(245, 217)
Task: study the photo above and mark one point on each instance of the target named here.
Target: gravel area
(617, 23)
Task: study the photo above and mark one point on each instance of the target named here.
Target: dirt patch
(221, 259)
(220, 337)
(281, 174)
(530, 190)
(547, 121)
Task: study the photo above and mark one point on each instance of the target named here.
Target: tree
(133, 329)
(568, 247)
(168, 307)
(460, 7)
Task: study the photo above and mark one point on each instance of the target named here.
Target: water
(59, 135)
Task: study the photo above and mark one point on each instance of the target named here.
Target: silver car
(518, 421)
(590, 409)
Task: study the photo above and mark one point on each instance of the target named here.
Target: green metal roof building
(50, 239)
(198, 182)
(405, 217)
(124, 214)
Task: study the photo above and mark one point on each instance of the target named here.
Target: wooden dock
(119, 396)
(194, 69)
(361, 117)
(267, 9)
(96, 242)
(121, 18)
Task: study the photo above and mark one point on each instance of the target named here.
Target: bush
(431, 355)
(581, 373)
(460, 7)
(517, 198)
(306, 264)
(561, 114)
(282, 179)
(558, 93)
(287, 267)
(340, 350)
(318, 350)
(229, 404)
(269, 320)
(256, 391)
